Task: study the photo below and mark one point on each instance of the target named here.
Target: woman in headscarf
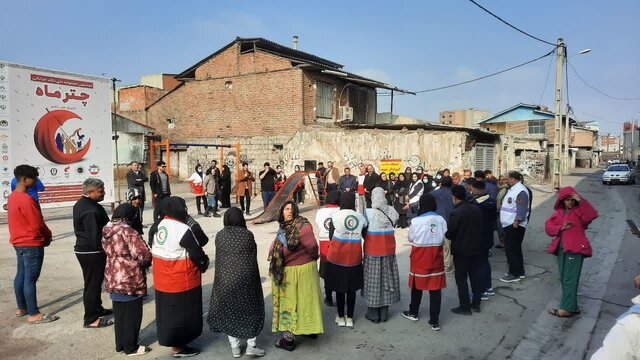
(415, 191)
(323, 217)
(225, 187)
(426, 271)
(195, 180)
(178, 262)
(381, 277)
(159, 210)
(343, 271)
(567, 225)
(124, 277)
(400, 191)
(295, 285)
(236, 307)
(387, 186)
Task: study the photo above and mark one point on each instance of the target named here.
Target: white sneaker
(341, 322)
(254, 351)
(349, 322)
(235, 351)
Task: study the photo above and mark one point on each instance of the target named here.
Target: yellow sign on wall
(391, 165)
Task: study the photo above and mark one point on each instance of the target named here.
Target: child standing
(426, 234)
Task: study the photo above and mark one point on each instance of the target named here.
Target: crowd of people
(451, 218)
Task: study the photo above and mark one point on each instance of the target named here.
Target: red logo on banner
(54, 144)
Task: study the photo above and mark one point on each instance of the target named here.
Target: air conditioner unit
(346, 113)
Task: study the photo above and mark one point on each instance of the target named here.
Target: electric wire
(478, 78)
(598, 90)
(546, 81)
(511, 26)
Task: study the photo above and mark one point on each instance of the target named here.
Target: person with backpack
(514, 217)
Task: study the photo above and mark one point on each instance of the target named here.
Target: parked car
(619, 173)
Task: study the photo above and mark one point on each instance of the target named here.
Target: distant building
(529, 134)
(631, 141)
(467, 118)
(387, 118)
(133, 100)
(609, 144)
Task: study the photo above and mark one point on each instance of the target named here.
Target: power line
(598, 90)
(544, 88)
(478, 78)
(511, 26)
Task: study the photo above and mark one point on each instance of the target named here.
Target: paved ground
(513, 324)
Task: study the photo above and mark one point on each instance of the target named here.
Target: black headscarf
(234, 217)
(175, 207)
(333, 197)
(124, 212)
(347, 201)
(427, 203)
(199, 172)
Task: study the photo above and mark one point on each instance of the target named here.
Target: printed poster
(59, 123)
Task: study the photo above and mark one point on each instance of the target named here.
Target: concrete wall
(433, 150)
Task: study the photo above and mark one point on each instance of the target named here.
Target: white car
(618, 173)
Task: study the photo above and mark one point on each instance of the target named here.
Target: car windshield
(618, 168)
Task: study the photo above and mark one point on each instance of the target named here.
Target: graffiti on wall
(352, 160)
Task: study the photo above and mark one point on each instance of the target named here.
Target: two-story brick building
(529, 136)
(290, 107)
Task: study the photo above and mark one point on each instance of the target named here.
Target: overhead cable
(479, 78)
(511, 26)
(598, 90)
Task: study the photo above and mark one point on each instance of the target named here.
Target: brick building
(467, 118)
(530, 135)
(289, 107)
(133, 100)
(255, 87)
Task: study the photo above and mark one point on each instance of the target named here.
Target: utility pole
(115, 136)
(567, 142)
(558, 118)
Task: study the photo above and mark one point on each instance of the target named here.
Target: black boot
(372, 315)
(384, 313)
(206, 213)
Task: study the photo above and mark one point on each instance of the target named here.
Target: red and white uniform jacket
(346, 243)
(178, 259)
(323, 219)
(361, 184)
(380, 239)
(426, 234)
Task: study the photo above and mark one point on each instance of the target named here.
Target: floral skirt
(297, 303)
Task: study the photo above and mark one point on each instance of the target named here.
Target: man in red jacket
(29, 235)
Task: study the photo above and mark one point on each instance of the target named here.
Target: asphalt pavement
(513, 324)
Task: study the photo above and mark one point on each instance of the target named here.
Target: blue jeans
(267, 196)
(29, 265)
(211, 201)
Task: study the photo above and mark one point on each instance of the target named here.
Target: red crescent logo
(44, 137)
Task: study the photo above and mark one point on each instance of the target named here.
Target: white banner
(61, 124)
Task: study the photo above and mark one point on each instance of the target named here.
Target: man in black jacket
(467, 249)
(159, 182)
(135, 180)
(371, 181)
(89, 217)
(487, 206)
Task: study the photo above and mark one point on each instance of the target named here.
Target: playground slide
(285, 193)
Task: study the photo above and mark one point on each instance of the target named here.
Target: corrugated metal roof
(265, 45)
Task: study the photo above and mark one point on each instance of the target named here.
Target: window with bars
(324, 100)
(536, 127)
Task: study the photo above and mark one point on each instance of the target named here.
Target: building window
(324, 100)
(536, 127)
